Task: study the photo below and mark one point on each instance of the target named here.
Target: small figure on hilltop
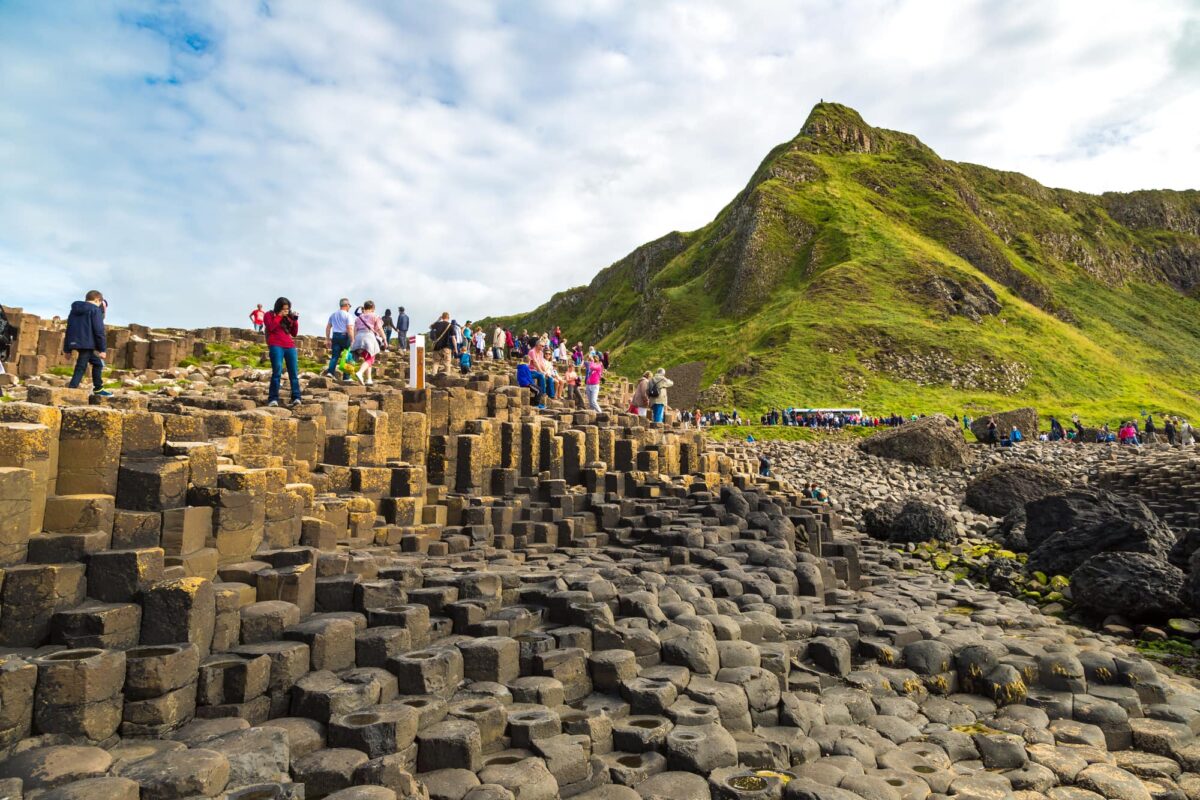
(282, 324)
(86, 337)
(256, 318)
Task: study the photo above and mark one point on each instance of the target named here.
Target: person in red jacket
(282, 324)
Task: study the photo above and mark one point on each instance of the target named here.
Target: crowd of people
(547, 365)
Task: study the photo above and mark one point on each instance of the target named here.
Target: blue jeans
(340, 342)
(544, 384)
(280, 355)
(82, 361)
(659, 410)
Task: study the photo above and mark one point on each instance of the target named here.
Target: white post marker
(416, 361)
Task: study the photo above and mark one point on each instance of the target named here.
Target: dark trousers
(84, 358)
(340, 342)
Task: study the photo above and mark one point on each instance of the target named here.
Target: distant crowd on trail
(830, 419)
(1175, 432)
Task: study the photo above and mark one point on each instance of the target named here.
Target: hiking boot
(102, 393)
(273, 404)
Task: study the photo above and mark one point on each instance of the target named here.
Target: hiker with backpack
(441, 341)
(86, 338)
(657, 392)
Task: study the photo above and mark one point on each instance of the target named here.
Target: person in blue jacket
(85, 336)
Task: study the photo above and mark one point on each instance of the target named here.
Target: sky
(191, 159)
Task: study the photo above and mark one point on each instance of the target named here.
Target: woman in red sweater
(281, 326)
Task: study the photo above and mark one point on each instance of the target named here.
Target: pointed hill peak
(840, 128)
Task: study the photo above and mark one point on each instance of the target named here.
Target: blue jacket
(524, 375)
(85, 328)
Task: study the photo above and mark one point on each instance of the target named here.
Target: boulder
(1010, 533)
(877, 521)
(1066, 528)
(919, 521)
(1025, 419)
(1137, 586)
(933, 441)
(1003, 488)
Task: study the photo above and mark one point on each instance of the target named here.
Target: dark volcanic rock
(919, 521)
(1004, 487)
(1011, 532)
(934, 441)
(1067, 528)
(877, 521)
(1025, 419)
(1137, 586)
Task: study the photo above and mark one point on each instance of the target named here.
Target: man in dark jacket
(402, 328)
(85, 336)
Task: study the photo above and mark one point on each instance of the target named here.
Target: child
(464, 361)
(86, 337)
(368, 341)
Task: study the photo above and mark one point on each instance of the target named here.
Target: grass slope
(858, 267)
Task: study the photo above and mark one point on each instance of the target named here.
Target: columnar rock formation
(448, 593)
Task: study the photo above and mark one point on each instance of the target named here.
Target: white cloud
(194, 159)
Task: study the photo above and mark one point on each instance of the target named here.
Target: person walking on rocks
(1169, 431)
(389, 326)
(368, 342)
(282, 325)
(657, 392)
(499, 342)
(1187, 437)
(339, 330)
(256, 318)
(441, 341)
(1151, 430)
(86, 338)
(595, 373)
(402, 328)
(993, 433)
(640, 403)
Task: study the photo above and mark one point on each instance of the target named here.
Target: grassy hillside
(858, 267)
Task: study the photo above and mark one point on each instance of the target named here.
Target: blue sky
(193, 158)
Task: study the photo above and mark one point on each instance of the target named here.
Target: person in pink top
(282, 325)
(595, 371)
(369, 339)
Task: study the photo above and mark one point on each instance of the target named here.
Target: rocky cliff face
(855, 249)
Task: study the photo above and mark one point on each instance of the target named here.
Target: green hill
(859, 268)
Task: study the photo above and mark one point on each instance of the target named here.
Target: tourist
(560, 351)
(1015, 435)
(256, 318)
(577, 354)
(510, 343)
(1127, 434)
(369, 340)
(1186, 436)
(86, 338)
(657, 392)
(1056, 430)
(464, 361)
(572, 382)
(441, 341)
(525, 379)
(966, 422)
(499, 343)
(282, 324)
(640, 403)
(1169, 431)
(542, 373)
(389, 326)
(764, 465)
(595, 373)
(480, 342)
(402, 328)
(993, 434)
(339, 330)
(1151, 430)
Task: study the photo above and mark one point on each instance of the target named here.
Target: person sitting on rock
(526, 379)
(764, 465)
(1015, 435)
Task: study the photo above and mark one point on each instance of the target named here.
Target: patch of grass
(62, 371)
(846, 244)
